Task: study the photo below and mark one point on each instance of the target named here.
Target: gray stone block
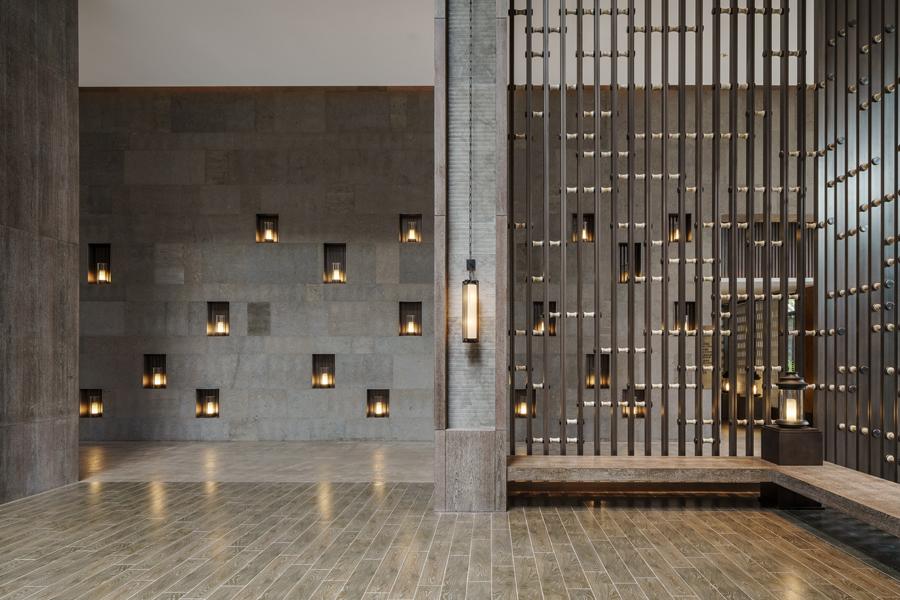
(259, 318)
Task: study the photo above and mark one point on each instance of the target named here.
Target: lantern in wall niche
(585, 231)
(267, 229)
(590, 371)
(217, 319)
(521, 405)
(410, 229)
(91, 405)
(542, 325)
(378, 404)
(207, 404)
(323, 371)
(155, 371)
(790, 401)
(757, 385)
(410, 318)
(335, 263)
(675, 231)
(99, 271)
(726, 382)
(470, 305)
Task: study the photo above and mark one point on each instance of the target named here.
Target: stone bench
(870, 499)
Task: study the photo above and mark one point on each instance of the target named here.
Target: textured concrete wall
(173, 179)
(38, 245)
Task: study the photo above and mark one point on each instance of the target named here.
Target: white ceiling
(256, 42)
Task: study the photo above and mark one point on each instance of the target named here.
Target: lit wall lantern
(542, 325)
(155, 371)
(675, 231)
(790, 401)
(91, 404)
(323, 371)
(217, 319)
(470, 305)
(585, 232)
(726, 382)
(410, 229)
(411, 318)
(378, 404)
(99, 270)
(625, 270)
(335, 263)
(639, 409)
(604, 371)
(689, 320)
(521, 405)
(207, 404)
(266, 229)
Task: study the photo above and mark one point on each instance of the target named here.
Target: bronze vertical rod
(844, 225)
(825, 74)
(717, 231)
(579, 223)
(664, 211)
(768, 182)
(563, 224)
(511, 223)
(529, 231)
(750, 243)
(853, 250)
(632, 265)
(648, 287)
(895, 143)
(784, 339)
(613, 220)
(682, 167)
(732, 218)
(597, 228)
(863, 193)
(802, 92)
(545, 247)
(698, 237)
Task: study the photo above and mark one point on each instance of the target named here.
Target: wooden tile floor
(230, 540)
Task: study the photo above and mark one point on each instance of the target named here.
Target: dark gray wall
(38, 245)
(174, 178)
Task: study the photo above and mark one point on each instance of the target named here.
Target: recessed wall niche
(541, 325)
(689, 320)
(207, 404)
(625, 270)
(410, 318)
(99, 270)
(218, 321)
(521, 404)
(266, 229)
(155, 371)
(585, 232)
(335, 263)
(91, 404)
(590, 370)
(378, 404)
(639, 411)
(323, 371)
(410, 229)
(675, 231)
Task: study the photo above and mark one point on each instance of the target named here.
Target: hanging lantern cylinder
(470, 305)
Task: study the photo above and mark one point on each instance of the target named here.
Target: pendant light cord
(471, 127)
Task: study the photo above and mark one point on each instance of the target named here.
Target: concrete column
(38, 246)
(470, 379)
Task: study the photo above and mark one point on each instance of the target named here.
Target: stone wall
(173, 179)
(38, 245)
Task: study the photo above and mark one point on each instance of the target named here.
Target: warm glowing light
(103, 273)
(590, 380)
(210, 408)
(220, 325)
(411, 234)
(522, 408)
(325, 379)
(539, 327)
(584, 234)
(790, 409)
(157, 379)
(336, 273)
(470, 311)
(378, 409)
(411, 324)
(96, 406)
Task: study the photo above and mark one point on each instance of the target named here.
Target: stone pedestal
(787, 446)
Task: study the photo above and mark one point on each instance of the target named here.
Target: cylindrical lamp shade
(790, 401)
(470, 311)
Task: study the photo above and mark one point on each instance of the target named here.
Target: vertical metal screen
(692, 133)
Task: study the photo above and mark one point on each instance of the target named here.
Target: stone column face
(38, 246)
(470, 80)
